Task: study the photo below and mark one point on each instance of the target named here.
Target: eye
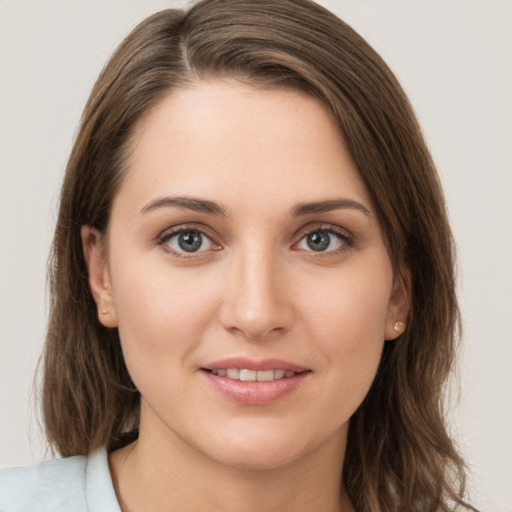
(323, 240)
(187, 241)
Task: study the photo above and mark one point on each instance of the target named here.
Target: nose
(256, 301)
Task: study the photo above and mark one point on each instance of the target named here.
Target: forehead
(247, 144)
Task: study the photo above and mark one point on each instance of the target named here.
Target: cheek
(161, 313)
(352, 307)
(351, 350)
(348, 320)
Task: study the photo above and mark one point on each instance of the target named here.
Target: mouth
(246, 375)
(255, 382)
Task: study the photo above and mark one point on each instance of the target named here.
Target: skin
(255, 289)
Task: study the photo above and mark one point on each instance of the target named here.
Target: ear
(399, 304)
(99, 277)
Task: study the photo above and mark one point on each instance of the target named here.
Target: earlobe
(398, 307)
(99, 277)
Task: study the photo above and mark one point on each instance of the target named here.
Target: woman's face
(243, 245)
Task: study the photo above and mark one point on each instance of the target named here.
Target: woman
(253, 296)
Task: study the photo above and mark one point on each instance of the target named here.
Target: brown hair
(399, 455)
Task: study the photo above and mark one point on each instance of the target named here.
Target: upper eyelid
(322, 226)
(169, 232)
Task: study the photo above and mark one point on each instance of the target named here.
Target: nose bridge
(256, 305)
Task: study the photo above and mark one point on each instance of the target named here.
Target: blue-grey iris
(318, 241)
(190, 241)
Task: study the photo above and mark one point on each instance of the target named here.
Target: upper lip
(243, 363)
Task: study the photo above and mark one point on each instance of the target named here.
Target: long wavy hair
(399, 455)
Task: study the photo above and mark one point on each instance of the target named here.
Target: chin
(265, 447)
(252, 457)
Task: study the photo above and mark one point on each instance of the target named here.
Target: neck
(165, 473)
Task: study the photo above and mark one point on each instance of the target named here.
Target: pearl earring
(104, 311)
(399, 326)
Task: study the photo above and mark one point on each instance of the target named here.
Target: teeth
(233, 373)
(266, 375)
(253, 375)
(248, 375)
(279, 374)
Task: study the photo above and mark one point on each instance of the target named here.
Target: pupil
(318, 241)
(190, 241)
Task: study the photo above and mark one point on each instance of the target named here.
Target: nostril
(253, 336)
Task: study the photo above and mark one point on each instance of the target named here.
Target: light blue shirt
(72, 484)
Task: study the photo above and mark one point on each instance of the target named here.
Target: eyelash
(345, 239)
(165, 237)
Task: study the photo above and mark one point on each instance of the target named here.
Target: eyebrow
(205, 206)
(327, 206)
(187, 203)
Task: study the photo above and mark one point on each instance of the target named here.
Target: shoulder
(73, 483)
(51, 485)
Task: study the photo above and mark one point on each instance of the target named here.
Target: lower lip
(255, 393)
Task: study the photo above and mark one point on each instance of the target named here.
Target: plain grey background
(454, 59)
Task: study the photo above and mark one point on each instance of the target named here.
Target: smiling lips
(254, 382)
(253, 375)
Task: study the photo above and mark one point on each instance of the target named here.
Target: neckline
(100, 495)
